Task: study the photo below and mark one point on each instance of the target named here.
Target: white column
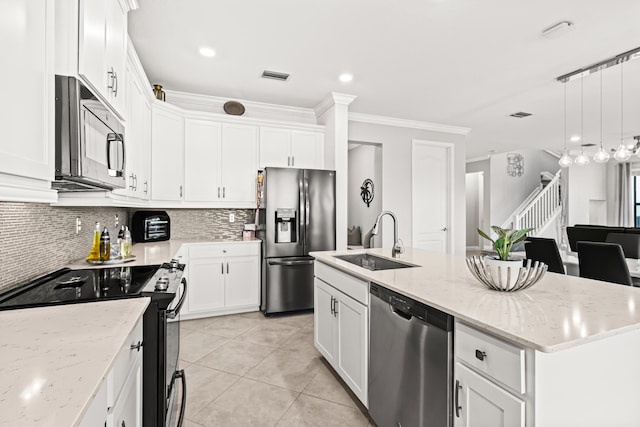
(333, 113)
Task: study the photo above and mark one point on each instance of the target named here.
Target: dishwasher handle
(400, 313)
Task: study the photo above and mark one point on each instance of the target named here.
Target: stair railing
(542, 208)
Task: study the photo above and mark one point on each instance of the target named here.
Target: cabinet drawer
(222, 250)
(347, 284)
(126, 359)
(495, 358)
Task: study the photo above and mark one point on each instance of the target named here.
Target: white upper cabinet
(282, 147)
(202, 145)
(238, 163)
(307, 149)
(27, 114)
(275, 147)
(102, 36)
(167, 153)
(220, 163)
(137, 137)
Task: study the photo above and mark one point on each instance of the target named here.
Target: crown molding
(332, 99)
(413, 124)
(215, 104)
(130, 4)
(478, 159)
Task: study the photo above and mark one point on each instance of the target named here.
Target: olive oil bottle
(94, 254)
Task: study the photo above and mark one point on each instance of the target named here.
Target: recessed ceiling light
(575, 138)
(346, 77)
(208, 52)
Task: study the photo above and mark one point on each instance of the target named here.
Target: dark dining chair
(544, 250)
(630, 243)
(603, 261)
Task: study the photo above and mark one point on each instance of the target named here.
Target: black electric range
(68, 286)
(164, 285)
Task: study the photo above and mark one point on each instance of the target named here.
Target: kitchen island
(55, 360)
(574, 342)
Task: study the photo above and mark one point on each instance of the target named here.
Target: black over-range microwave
(90, 148)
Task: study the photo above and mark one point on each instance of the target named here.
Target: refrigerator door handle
(301, 195)
(306, 198)
(290, 263)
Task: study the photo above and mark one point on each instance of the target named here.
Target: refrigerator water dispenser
(285, 225)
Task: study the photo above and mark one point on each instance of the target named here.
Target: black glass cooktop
(68, 286)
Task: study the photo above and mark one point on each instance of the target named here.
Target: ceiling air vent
(275, 75)
(520, 114)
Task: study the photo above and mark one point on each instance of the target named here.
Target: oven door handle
(171, 314)
(180, 374)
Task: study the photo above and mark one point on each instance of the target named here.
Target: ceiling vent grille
(520, 114)
(275, 75)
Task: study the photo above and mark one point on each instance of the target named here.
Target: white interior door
(431, 201)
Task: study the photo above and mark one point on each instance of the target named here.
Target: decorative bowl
(494, 277)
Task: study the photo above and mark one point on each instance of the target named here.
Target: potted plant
(503, 267)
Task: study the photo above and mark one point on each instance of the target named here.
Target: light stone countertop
(558, 312)
(53, 360)
(158, 252)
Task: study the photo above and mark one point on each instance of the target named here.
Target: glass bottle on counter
(115, 231)
(94, 254)
(125, 244)
(105, 245)
(120, 242)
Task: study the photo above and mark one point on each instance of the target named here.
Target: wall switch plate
(78, 225)
(232, 217)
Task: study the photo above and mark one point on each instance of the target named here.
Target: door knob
(444, 229)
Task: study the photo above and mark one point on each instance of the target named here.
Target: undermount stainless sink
(372, 262)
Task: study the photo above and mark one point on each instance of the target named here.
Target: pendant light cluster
(622, 153)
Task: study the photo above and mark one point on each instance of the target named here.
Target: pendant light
(622, 154)
(582, 159)
(565, 161)
(601, 156)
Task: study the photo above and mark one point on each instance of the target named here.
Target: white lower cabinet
(127, 411)
(342, 329)
(490, 387)
(223, 278)
(482, 403)
(118, 403)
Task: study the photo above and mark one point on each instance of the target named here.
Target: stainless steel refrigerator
(296, 215)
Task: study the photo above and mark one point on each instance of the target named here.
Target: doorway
(364, 193)
(474, 188)
(432, 184)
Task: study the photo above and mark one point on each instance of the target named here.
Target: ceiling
(465, 63)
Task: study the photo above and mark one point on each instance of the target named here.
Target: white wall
(584, 184)
(507, 192)
(365, 161)
(396, 173)
(473, 182)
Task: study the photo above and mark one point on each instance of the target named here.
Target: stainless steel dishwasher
(410, 362)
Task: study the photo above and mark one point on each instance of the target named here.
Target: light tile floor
(252, 370)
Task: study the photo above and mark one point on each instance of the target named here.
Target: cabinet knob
(136, 346)
(480, 355)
